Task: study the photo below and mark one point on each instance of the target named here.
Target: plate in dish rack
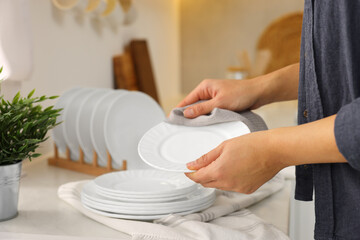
(97, 125)
(69, 123)
(169, 147)
(126, 121)
(58, 132)
(83, 127)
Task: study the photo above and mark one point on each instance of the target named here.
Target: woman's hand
(241, 164)
(233, 95)
(244, 163)
(239, 95)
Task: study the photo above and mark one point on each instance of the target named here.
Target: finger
(209, 182)
(199, 109)
(212, 184)
(201, 176)
(199, 93)
(218, 185)
(191, 98)
(205, 159)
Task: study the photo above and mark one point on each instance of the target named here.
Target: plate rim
(149, 210)
(138, 217)
(146, 173)
(207, 192)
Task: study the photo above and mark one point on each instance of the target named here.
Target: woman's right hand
(239, 95)
(235, 95)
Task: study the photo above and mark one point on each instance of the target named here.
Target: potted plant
(23, 126)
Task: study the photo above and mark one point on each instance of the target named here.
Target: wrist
(275, 149)
(309, 143)
(270, 152)
(269, 88)
(280, 85)
(260, 87)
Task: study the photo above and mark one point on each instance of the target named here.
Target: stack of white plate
(105, 120)
(145, 195)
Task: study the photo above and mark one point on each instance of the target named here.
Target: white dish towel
(29, 236)
(226, 219)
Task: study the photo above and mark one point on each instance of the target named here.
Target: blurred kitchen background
(188, 41)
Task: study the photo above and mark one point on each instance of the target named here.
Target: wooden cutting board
(124, 72)
(143, 69)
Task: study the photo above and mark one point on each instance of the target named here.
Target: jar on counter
(238, 73)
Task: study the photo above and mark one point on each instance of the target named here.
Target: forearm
(281, 85)
(305, 144)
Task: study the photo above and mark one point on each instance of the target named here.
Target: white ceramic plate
(145, 211)
(145, 183)
(83, 117)
(141, 217)
(58, 132)
(149, 199)
(97, 125)
(70, 125)
(169, 147)
(197, 197)
(126, 120)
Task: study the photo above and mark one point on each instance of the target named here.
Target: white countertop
(42, 212)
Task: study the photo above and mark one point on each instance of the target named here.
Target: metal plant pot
(9, 190)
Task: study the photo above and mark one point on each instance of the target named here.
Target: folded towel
(217, 115)
(288, 172)
(31, 236)
(226, 219)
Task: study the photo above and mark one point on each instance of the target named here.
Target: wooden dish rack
(81, 165)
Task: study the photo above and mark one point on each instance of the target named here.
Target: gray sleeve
(347, 132)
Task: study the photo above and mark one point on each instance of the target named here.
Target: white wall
(71, 49)
(75, 50)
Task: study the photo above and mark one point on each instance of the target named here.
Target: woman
(325, 146)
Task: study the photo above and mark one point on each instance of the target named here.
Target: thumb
(199, 109)
(205, 159)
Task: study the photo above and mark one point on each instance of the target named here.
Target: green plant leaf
(31, 93)
(16, 98)
(35, 155)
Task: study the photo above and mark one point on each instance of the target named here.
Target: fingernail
(190, 165)
(189, 112)
(190, 174)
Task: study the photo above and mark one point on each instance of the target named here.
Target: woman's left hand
(241, 164)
